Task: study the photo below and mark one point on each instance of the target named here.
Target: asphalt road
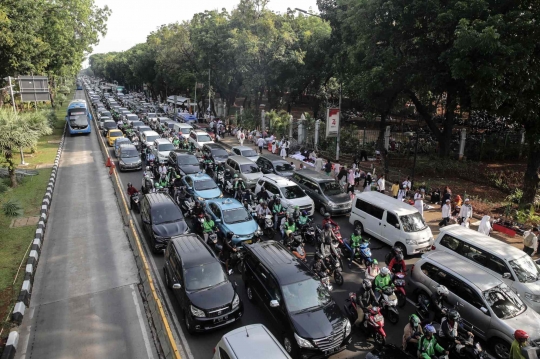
(85, 300)
(200, 346)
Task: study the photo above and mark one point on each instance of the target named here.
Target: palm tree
(20, 130)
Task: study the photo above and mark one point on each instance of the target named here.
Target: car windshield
(526, 270)
(249, 153)
(203, 138)
(187, 161)
(204, 185)
(504, 303)
(219, 153)
(283, 167)
(305, 295)
(249, 168)
(292, 192)
(204, 276)
(166, 214)
(162, 147)
(151, 138)
(413, 222)
(110, 124)
(105, 114)
(130, 153)
(331, 188)
(236, 215)
(151, 114)
(115, 133)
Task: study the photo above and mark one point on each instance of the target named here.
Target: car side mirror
(274, 303)
(507, 275)
(177, 286)
(484, 310)
(218, 220)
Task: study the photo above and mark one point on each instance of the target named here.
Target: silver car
(246, 169)
(245, 151)
(488, 307)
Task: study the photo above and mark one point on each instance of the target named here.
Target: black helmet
(278, 200)
(453, 314)
(399, 257)
(327, 215)
(327, 226)
(248, 191)
(366, 283)
(129, 184)
(318, 255)
(356, 232)
(304, 213)
(290, 221)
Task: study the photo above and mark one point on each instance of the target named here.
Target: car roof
(199, 132)
(156, 199)
(213, 146)
(162, 140)
(277, 259)
(109, 121)
(281, 181)
(192, 250)
(127, 146)
(196, 177)
(377, 198)
(114, 131)
(272, 158)
(314, 175)
(226, 203)
(241, 160)
(243, 341)
(243, 148)
(487, 243)
(182, 124)
(474, 274)
(122, 139)
(150, 133)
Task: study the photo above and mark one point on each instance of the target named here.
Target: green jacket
(428, 347)
(515, 351)
(303, 219)
(277, 208)
(355, 240)
(289, 227)
(381, 282)
(208, 226)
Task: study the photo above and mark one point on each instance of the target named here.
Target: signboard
(332, 122)
(34, 88)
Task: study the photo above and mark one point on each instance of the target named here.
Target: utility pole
(339, 121)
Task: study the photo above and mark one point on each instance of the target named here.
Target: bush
(3, 187)
(12, 208)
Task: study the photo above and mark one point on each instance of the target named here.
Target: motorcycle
(212, 241)
(307, 232)
(388, 301)
(135, 205)
(468, 349)
(399, 283)
(268, 228)
(375, 320)
(335, 268)
(220, 179)
(363, 254)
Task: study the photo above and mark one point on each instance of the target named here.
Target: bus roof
(77, 104)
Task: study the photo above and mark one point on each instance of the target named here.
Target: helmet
(414, 320)
(399, 257)
(318, 255)
(207, 216)
(129, 184)
(375, 262)
(261, 201)
(235, 175)
(521, 335)
(453, 314)
(248, 191)
(230, 235)
(264, 204)
(430, 329)
(327, 226)
(442, 290)
(148, 168)
(177, 176)
(290, 221)
(327, 215)
(278, 200)
(385, 271)
(304, 213)
(156, 185)
(366, 283)
(356, 233)
(397, 250)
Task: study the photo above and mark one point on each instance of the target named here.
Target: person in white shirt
(162, 170)
(337, 167)
(466, 213)
(381, 184)
(530, 242)
(407, 186)
(485, 225)
(283, 152)
(260, 144)
(446, 211)
(419, 200)
(241, 138)
(318, 164)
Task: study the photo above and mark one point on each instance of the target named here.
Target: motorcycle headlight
(400, 282)
(258, 232)
(236, 301)
(347, 327)
(200, 198)
(302, 343)
(197, 312)
(532, 297)
(411, 241)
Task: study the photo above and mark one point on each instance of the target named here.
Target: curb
(23, 300)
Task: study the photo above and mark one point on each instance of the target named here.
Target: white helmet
(385, 271)
(442, 290)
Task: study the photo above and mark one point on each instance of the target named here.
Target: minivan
(311, 323)
(488, 308)
(245, 168)
(183, 128)
(290, 193)
(250, 342)
(148, 137)
(327, 194)
(511, 265)
(274, 164)
(391, 221)
(197, 279)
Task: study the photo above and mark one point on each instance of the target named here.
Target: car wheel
(289, 346)
(402, 247)
(189, 326)
(250, 294)
(359, 227)
(322, 210)
(501, 349)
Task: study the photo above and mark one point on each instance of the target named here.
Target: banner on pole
(332, 122)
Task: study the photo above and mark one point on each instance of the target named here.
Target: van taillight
(433, 247)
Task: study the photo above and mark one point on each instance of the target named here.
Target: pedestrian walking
(530, 242)
(356, 177)
(328, 168)
(350, 182)
(283, 152)
(337, 167)
(485, 225)
(260, 144)
(395, 189)
(342, 175)
(274, 146)
(241, 138)
(407, 186)
(318, 164)
(466, 213)
(287, 145)
(367, 182)
(381, 184)
(446, 212)
(419, 200)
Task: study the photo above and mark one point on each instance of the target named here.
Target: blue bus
(78, 117)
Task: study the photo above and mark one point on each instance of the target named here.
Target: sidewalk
(432, 216)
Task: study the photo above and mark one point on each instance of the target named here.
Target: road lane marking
(141, 323)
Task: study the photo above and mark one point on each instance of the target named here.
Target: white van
(290, 193)
(148, 138)
(391, 221)
(184, 128)
(250, 342)
(510, 264)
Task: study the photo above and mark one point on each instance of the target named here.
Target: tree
(20, 130)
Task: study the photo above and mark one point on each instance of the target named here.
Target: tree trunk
(531, 179)
(11, 170)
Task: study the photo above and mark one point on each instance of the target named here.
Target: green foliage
(60, 99)
(527, 216)
(63, 90)
(12, 208)
(515, 196)
(278, 122)
(3, 187)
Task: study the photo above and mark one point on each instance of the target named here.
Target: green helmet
(236, 175)
(156, 185)
(177, 176)
(375, 262)
(414, 320)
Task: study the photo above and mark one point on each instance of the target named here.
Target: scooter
(467, 349)
(388, 301)
(335, 268)
(375, 320)
(135, 205)
(399, 283)
(307, 232)
(268, 228)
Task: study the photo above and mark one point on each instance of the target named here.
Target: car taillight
(214, 350)
(433, 247)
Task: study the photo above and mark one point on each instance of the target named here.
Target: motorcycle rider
(326, 248)
(131, 191)
(303, 218)
(397, 264)
(162, 170)
(440, 303)
(289, 227)
(276, 209)
(262, 194)
(448, 332)
(373, 270)
(208, 226)
(175, 185)
(355, 240)
(519, 342)
(262, 212)
(394, 251)
(381, 281)
(151, 158)
(411, 334)
(248, 196)
(364, 301)
(239, 186)
(228, 249)
(318, 267)
(427, 345)
(328, 220)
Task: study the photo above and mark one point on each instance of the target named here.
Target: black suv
(215, 152)
(184, 162)
(274, 164)
(199, 283)
(312, 323)
(162, 219)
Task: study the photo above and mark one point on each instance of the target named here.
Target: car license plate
(249, 241)
(378, 318)
(424, 250)
(222, 319)
(327, 352)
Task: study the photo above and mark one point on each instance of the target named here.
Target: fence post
(462, 143)
(521, 143)
(364, 140)
(481, 148)
(263, 118)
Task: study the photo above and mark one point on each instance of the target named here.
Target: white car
(290, 193)
(148, 137)
(161, 149)
(199, 138)
(245, 151)
(184, 128)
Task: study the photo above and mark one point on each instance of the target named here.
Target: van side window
(363, 206)
(312, 186)
(298, 178)
(450, 242)
(271, 188)
(391, 219)
(473, 253)
(376, 212)
(497, 265)
(370, 209)
(430, 270)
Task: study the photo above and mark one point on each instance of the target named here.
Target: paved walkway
(85, 301)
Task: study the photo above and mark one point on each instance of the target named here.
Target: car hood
(529, 321)
(218, 296)
(284, 174)
(170, 229)
(340, 198)
(130, 159)
(190, 169)
(303, 201)
(164, 153)
(318, 323)
(209, 193)
(243, 229)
